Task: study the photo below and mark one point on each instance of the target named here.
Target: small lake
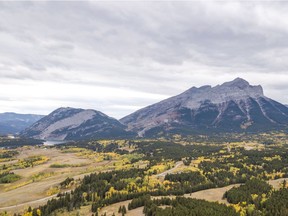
(53, 142)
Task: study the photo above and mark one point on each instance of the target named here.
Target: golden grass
(42, 180)
(17, 185)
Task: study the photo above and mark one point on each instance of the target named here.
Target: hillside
(12, 123)
(234, 106)
(73, 124)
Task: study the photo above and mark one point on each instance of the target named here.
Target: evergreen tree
(29, 209)
(120, 209)
(124, 210)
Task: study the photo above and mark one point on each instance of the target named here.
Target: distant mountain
(74, 124)
(234, 106)
(12, 123)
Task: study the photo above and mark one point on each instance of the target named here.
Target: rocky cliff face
(72, 124)
(231, 107)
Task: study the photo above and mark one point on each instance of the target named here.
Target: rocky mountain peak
(242, 85)
(60, 109)
(238, 82)
(72, 123)
(234, 105)
(236, 90)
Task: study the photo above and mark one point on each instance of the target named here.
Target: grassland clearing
(212, 195)
(37, 181)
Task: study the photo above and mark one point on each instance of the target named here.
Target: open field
(109, 210)
(277, 182)
(37, 182)
(212, 195)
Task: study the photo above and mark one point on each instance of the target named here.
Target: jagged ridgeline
(234, 106)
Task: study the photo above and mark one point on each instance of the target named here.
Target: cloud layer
(120, 56)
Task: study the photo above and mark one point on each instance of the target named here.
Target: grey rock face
(72, 124)
(232, 106)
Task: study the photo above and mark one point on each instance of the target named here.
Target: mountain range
(12, 123)
(73, 124)
(234, 106)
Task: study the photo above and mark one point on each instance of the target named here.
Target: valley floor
(27, 195)
(38, 174)
(41, 183)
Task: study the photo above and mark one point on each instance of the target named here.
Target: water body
(53, 142)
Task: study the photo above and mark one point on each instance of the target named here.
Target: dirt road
(163, 174)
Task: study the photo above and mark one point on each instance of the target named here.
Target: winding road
(163, 174)
(28, 203)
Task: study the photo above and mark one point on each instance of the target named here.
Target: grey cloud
(5, 99)
(126, 31)
(156, 47)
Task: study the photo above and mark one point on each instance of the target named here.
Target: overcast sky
(117, 57)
